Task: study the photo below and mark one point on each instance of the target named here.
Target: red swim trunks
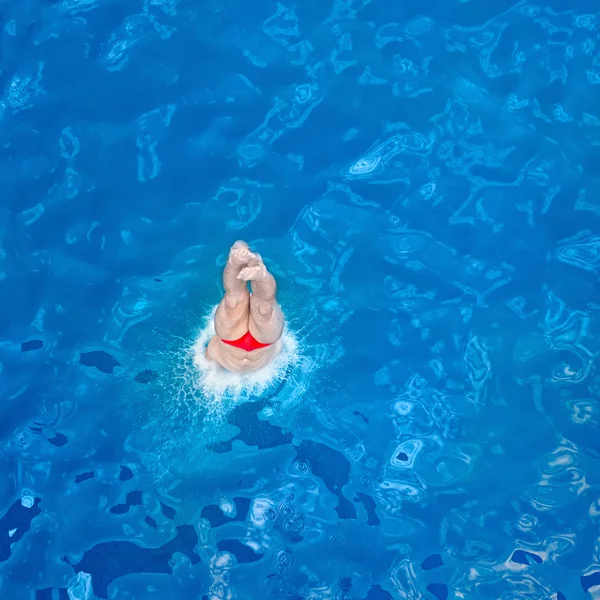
(246, 342)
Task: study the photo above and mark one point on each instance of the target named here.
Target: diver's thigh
(266, 329)
(231, 322)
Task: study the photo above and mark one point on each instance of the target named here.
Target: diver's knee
(265, 308)
(234, 300)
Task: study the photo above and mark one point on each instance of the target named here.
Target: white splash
(219, 390)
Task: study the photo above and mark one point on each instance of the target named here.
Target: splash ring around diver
(217, 390)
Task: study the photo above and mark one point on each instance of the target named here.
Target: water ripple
(422, 182)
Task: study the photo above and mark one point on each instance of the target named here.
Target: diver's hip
(238, 360)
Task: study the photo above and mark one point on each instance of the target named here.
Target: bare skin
(241, 311)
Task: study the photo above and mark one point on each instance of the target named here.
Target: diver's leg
(266, 319)
(231, 318)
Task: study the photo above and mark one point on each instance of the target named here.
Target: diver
(248, 323)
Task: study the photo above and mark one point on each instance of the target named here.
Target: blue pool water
(421, 178)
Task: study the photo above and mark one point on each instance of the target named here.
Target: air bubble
(27, 501)
(273, 584)
(292, 526)
(220, 495)
(22, 440)
(301, 466)
(270, 514)
(280, 586)
(284, 560)
(527, 522)
(364, 166)
(303, 92)
(286, 511)
(428, 191)
(403, 408)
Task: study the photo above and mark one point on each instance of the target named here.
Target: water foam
(217, 390)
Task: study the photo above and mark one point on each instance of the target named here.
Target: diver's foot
(253, 272)
(240, 255)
